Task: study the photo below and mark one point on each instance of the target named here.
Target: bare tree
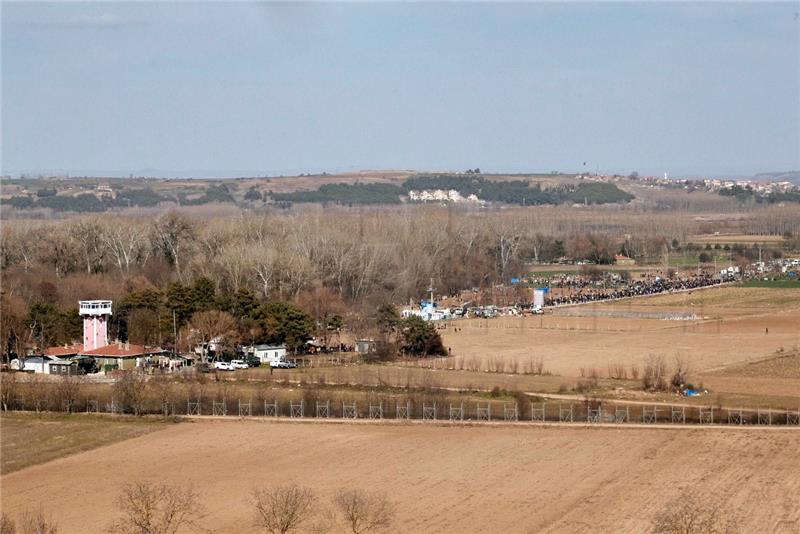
(127, 244)
(89, 235)
(150, 508)
(508, 238)
(655, 372)
(68, 389)
(688, 514)
(212, 325)
(14, 325)
(172, 235)
(265, 267)
(131, 391)
(282, 509)
(362, 511)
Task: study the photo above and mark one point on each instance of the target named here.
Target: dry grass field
(442, 479)
(744, 239)
(27, 440)
(732, 329)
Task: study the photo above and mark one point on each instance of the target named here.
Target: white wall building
(428, 311)
(268, 353)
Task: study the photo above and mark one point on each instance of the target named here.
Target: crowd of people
(639, 288)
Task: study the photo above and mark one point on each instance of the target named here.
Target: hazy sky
(244, 88)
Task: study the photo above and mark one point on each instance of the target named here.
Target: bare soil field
(738, 325)
(442, 479)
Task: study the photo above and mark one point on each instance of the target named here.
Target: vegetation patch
(31, 439)
(520, 192)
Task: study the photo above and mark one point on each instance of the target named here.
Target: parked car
(253, 361)
(223, 366)
(282, 364)
(239, 364)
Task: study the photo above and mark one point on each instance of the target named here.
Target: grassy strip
(29, 439)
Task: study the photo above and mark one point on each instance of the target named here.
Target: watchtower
(95, 323)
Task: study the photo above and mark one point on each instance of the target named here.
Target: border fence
(591, 412)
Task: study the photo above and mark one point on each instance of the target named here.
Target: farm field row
(442, 479)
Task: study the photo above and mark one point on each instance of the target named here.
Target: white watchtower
(95, 323)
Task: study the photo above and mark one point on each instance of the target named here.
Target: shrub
(654, 375)
(131, 390)
(35, 523)
(687, 514)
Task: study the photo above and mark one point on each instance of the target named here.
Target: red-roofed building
(619, 259)
(64, 351)
(122, 355)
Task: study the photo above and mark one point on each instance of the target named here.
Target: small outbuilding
(365, 346)
(620, 259)
(267, 353)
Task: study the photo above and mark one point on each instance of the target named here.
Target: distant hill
(785, 176)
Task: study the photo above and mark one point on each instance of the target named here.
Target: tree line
(91, 203)
(335, 265)
(518, 192)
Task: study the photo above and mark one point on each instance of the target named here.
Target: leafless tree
(68, 389)
(265, 268)
(282, 509)
(131, 390)
(127, 244)
(655, 372)
(89, 235)
(362, 511)
(150, 508)
(173, 234)
(212, 325)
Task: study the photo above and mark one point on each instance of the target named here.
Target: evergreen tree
(420, 337)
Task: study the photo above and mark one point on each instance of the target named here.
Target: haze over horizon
(211, 90)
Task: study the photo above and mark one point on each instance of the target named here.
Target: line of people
(636, 289)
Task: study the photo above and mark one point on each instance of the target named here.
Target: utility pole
(174, 335)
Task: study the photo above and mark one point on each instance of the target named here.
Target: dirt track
(444, 479)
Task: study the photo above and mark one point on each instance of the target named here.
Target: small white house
(268, 353)
(428, 311)
(42, 365)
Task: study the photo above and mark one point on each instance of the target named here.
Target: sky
(235, 89)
